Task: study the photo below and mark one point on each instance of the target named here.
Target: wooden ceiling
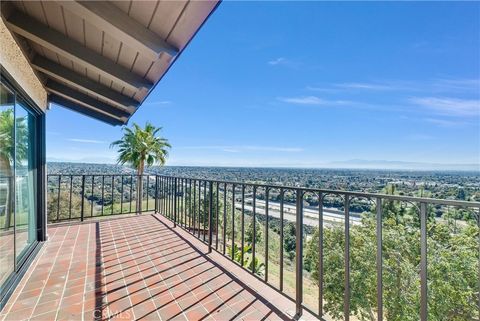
(103, 58)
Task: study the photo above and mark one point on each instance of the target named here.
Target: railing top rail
(340, 192)
(100, 174)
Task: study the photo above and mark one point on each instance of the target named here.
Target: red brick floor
(137, 268)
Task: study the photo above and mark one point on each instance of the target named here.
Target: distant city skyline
(311, 84)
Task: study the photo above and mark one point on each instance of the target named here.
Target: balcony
(217, 250)
(134, 268)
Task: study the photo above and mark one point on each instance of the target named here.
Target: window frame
(21, 265)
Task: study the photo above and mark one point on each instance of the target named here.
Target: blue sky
(310, 83)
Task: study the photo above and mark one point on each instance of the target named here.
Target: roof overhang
(103, 58)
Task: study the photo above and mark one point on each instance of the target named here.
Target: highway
(331, 216)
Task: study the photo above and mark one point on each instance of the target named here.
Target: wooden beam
(58, 100)
(108, 17)
(69, 48)
(83, 99)
(63, 74)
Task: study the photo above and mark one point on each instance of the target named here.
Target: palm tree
(9, 133)
(140, 146)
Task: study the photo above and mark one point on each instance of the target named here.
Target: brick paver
(130, 269)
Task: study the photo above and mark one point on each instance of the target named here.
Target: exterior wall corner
(16, 64)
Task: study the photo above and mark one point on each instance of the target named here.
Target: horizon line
(406, 168)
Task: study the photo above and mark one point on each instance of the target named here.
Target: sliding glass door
(24, 179)
(18, 183)
(7, 151)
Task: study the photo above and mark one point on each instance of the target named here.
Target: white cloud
(363, 86)
(457, 85)
(242, 148)
(444, 122)
(323, 89)
(230, 150)
(437, 85)
(274, 149)
(293, 64)
(311, 100)
(449, 106)
(158, 102)
(278, 61)
(87, 141)
(367, 86)
(419, 137)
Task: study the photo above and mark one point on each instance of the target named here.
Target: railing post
(254, 221)
(113, 193)
(83, 199)
(210, 214)
(156, 194)
(282, 194)
(320, 254)
(140, 195)
(267, 190)
(70, 198)
(58, 195)
(121, 195)
(91, 203)
(423, 262)
(217, 215)
(131, 193)
(299, 254)
(103, 191)
(379, 260)
(478, 224)
(204, 206)
(346, 300)
(175, 202)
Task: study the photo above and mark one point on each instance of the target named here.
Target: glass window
(24, 179)
(18, 183)
(7, 133)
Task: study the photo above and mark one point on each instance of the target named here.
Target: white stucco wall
(13, 60)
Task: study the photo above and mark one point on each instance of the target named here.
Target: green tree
(452, 269)
(204, 208)
(289, 240)
(62, 205)
(249, 263)
(249, 232)
(139, 147)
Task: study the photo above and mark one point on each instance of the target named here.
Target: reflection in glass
(24, 180)
(7, 125)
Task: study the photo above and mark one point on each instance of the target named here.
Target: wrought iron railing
(80, 197)
(319, 247)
